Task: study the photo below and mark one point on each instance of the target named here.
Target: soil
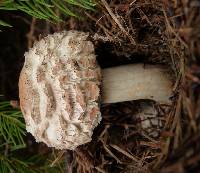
(152, 32)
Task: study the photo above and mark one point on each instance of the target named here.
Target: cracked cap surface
(59, 90)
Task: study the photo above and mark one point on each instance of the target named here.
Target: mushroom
(59, 88)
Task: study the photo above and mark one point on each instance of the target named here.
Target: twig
(172, 30)
(99, 169)
(60, 154)
(109, 152)
(117, 21)
(124, 152)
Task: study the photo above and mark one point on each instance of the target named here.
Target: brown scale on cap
(59, 90)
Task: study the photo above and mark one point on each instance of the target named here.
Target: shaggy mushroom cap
(59, 90)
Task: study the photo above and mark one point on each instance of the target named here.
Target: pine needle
(12, 128)
(12, 135)
(45, 9)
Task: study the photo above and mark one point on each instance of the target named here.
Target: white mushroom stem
(135, 82)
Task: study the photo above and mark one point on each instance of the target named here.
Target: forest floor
(131, 31)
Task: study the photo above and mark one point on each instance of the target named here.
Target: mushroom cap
(59, 90)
